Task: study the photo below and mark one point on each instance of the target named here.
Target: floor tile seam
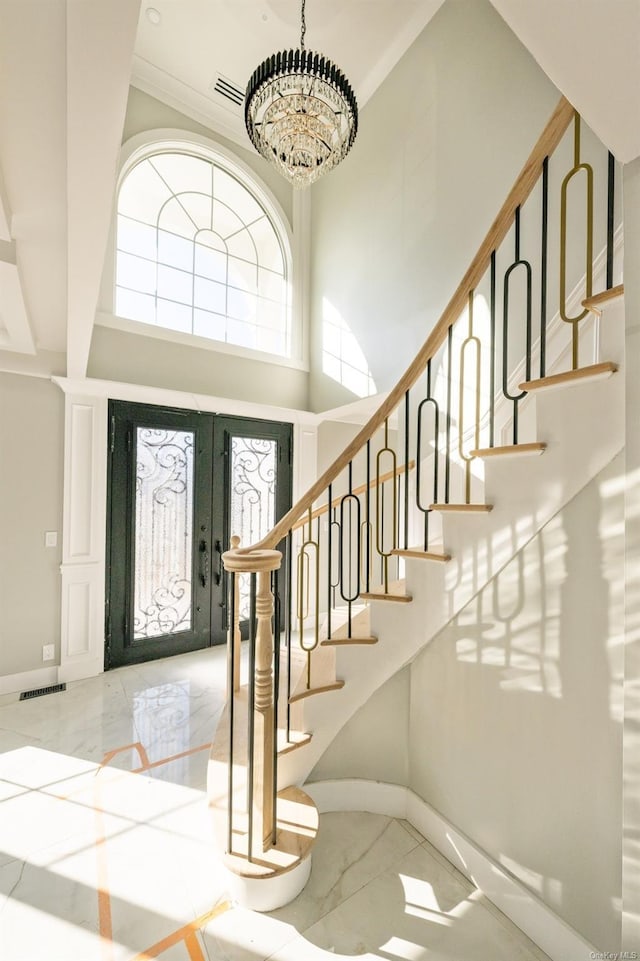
(183, 869)
(63, 838)
(129, 702)
(403, 824)
(9, 861)
(509, 926)
(448, 866)
(388, 868)
(367, 851)
(25, 734)
(374, 877)
(295, 935)
(8, 896)
(197, 924)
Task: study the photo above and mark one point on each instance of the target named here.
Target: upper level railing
(512, 319)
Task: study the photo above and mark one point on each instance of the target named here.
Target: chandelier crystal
(301, 113)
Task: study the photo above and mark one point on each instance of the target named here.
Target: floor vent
(39, 691)
(226, 88)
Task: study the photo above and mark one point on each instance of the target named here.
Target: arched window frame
(149, 143)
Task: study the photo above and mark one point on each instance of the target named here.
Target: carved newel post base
(266, 848)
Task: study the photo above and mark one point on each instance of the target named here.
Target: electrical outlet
(48, 652)
(51, 539)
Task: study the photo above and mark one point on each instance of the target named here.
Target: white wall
(631, 779)
(373, 745)
(133, 359)
(516, 709)
(439, 146)
(31, 440)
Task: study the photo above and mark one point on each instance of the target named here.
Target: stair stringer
(583, 427)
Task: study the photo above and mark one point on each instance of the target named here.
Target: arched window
(199, 252)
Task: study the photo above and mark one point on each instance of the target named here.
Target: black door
(180, 484)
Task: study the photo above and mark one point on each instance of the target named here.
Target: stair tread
(310, 692)
(343, 641)
(463, 508)
(297, 822)
(510, 450)
(381, 596)
(360, 623)
(419, 554)
(569, 377)
(604, 297)
(296, 740)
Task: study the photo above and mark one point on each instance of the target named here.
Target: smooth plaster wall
(373, 744)
(134, 359)
(516, 713)
(631, 774)
(439, 146)
(31, 440)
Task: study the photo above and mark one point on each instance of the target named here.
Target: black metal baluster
(492, 352)
(230, 686)
(288, 625)
(406, 470)
(544, 267)
(251, 709)
(276, 688)
(611, 186)
(368, 518)
(447, 460)
(329, 561)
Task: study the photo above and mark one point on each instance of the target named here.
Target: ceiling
(65, 71)
(182, 48)
(590, 49)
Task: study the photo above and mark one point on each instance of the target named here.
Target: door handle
(218, 574)
(204, 563)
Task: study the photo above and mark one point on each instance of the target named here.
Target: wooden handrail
(529, 175)
(360, 489)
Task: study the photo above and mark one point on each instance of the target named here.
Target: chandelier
(301, 113)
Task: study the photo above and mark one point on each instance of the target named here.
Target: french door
(180, 484)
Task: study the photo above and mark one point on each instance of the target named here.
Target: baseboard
(83, 669)
(28, 680)
(377, 797)
(553, 935)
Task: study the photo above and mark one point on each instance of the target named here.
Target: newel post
(261, 563)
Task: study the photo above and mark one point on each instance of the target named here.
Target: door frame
(83, 567)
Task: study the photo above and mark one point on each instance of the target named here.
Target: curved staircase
(467, 469)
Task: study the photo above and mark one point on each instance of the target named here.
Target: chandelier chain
(303, 25)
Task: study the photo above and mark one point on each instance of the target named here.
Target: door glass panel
(253, 490)
(163, 538)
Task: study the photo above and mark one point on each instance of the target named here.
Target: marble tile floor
(106, 854)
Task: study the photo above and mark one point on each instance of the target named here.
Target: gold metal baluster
(577, 166)
(467, 458)
(309, 553)
(380, 539)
